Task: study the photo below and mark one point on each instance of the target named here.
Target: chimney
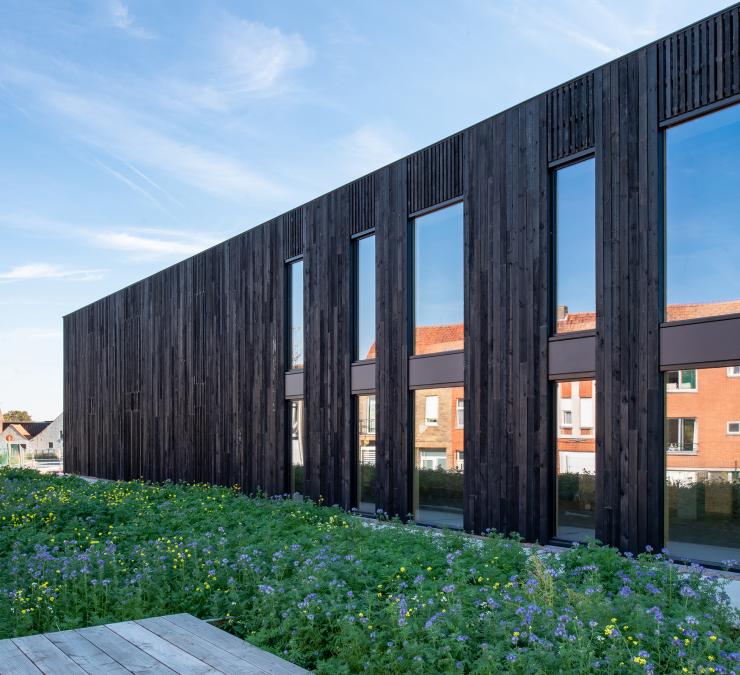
(562, 312)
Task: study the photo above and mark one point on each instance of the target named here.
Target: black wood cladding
(699, 65)
(629, 385)
(293, 233)
(570, 113)
(181, 375)
(507, 416)
(362, 204)
(435, 174)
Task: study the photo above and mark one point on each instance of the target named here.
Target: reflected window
(681, 380)
(295, 302)
(576, 460)
(575, 246)
(439, 285)
(460, 413)
(365, 298)
(366, 453)
(297, 472)
(702, 160)
(438, 457)
(703, 469)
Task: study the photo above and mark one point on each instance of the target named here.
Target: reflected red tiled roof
(700, 309)
(430, 339)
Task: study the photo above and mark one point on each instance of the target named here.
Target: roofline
(410, 154)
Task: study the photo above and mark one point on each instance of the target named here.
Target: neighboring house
(34, 444)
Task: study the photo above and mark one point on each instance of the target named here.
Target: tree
(16, 416)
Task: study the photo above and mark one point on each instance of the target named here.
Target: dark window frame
(355, 240)
(553, 169)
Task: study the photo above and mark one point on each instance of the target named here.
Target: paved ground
(178, 643)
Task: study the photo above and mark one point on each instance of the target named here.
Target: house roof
(575, 321)
(27, 429)
(430, 339)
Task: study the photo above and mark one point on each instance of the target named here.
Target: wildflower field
(336, 593)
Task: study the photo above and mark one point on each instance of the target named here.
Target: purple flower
(449, 588)
(625, 591)
(511, 656)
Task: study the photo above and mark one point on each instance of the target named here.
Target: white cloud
(258, 56)
(149, 244)
(35, 271)
(120, 17)
(241, 60)
(372, 146)
(123, 133)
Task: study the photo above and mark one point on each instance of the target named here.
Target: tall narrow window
(295, 302)
(439, 457)
(702, 207)
(365, 298)
(439, 285)
(576, 460)
(575, 246)
(297, 478)
(366, 453)
(703, 468)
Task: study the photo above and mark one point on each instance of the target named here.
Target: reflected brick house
(702, 409)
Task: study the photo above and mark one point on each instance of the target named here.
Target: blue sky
(134, 134)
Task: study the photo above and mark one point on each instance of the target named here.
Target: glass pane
(576, 460)
(439, 285)
(703, 216)
(703, 469)
(575, 232)
(296, 314)
(439, 458)
(365, 289)
(366, 453)
(297, 481)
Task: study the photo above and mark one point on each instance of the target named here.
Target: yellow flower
(403, 569)
(639, 660)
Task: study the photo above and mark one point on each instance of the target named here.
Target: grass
(336, 593)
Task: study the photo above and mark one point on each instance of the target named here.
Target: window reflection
(575, 236)
(297, 477)
(576, 460)
(439, 456)
(295, 272)
(366, 453)
(703, 216)
(365, 298)
(439, 281)
(702, 447)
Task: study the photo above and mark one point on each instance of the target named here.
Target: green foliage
(16, 416)
(336, 593)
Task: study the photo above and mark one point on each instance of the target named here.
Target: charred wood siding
(362, 204)
(393, 463)
(328, 348)
(629, 389)
(507, 417)
(435, 174)
(293, 233)
(700, 65)
(181, 375)
(570, 112)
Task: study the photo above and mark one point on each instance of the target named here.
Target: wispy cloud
(148, 244)
(120, 17)
(371, 146)
(35, 271)
(241, 60)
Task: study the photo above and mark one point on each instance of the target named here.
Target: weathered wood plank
(46, 656)
(199, 647)
(90, 658)
(162, 650)
(13, 661)
(235, 646)
(124, 652)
